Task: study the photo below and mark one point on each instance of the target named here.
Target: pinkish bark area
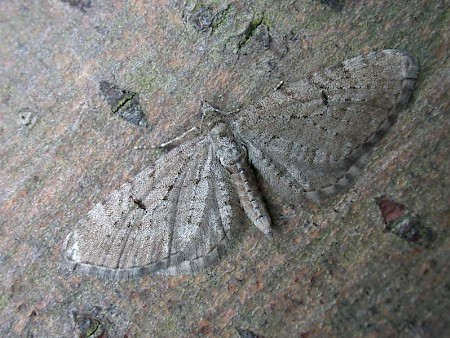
(331, 270)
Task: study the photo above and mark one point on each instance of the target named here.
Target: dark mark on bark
(26, 117)
(403, 223)
(82, 5)
(334, 4)
(87, 326)
(250, 31)
(202, 19)
(124, 103)
(244, 333)
(205, 19)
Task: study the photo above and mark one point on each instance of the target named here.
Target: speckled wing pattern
(311, 139)
(308, 140)
(174, 217)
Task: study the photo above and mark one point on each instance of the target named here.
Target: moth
(306, 141)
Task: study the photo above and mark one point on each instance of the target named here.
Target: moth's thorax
(227, 149)
(210, 117)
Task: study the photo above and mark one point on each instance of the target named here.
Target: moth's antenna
(205, 106)
(165, 144)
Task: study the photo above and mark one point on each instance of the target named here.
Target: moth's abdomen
(250, 196)
(233, 157)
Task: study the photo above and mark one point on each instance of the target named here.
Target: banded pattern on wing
(175, 217)
(312, 138)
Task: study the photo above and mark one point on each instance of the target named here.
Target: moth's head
(207, 109)
(210, 116)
